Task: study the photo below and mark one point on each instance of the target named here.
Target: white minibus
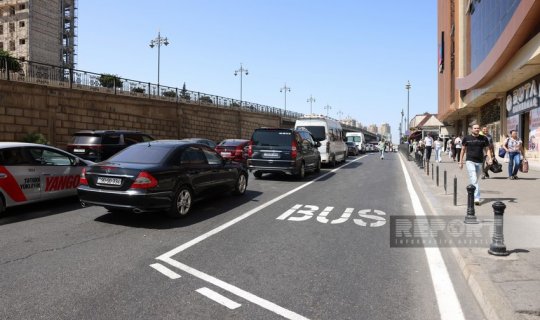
(358, 139)
(329, 133)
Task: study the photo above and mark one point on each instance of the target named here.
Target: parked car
(352, 149)
(234, 149)
(207, 142)
(32, 172)
(161, 175)
(99, 145)
(276, 150)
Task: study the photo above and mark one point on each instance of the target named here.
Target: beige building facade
(39, 31)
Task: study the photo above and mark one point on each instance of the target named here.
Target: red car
(233, 149)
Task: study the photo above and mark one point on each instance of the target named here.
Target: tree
(137, 90)
(35, 137)
(170, 94)
(206, 99)
(7, 60)
(110, 80)
(184, 94)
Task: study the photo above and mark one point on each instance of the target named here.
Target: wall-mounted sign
(523, 98)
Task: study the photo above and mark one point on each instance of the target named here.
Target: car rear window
(142, 153)
(272, 138)
(231, 143)
(86, 139)
(317, 132)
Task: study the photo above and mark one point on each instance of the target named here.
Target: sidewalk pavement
(505, 287)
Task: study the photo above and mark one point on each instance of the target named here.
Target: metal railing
(56, 76)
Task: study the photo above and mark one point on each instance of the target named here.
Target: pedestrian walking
(474, 146)
(485, 165)
(381, 147)
(458, 144)
(428, 142)
(438, 150)
(514, 148)
(453, 148)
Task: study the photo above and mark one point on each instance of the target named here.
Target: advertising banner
(534, 130)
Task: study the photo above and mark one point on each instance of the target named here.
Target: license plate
(271, 155)
(78, 150)
(225, 154)
(110, 181)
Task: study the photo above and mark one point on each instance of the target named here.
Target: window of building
(22, 6)
(22, 41)
(22, 58)
(1, 46)
(11, 27)
(12, 45)
(21, 24)
(1, 28)
(11, 11)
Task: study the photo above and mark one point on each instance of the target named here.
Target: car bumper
(131, 200)
(288, 167)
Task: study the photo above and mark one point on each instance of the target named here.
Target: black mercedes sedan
(160, 175)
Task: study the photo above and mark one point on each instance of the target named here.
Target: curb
(489, 297)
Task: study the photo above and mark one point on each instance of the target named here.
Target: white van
(329, 133)
(358, 139)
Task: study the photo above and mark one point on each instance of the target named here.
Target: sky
(355, 56)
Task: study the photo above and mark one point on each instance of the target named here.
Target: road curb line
(489, 297)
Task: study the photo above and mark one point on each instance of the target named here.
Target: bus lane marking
(212, 295)
(166, 271)
(268, 305)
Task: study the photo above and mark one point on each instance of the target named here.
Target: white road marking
(218, 298)
(449, 306)
(166, 271)
(166, 257)
(245, 215)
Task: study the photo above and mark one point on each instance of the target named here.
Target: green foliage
(137, 90)
(7, 60)
(110, 80)
(170, 94)
(184, 94)
(205, 99)
(35, 137)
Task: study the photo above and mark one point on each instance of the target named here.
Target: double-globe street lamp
(241, 71)
(310, 100)
(158, 42)
(407, 128)
(285, 89)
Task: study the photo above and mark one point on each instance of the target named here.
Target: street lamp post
(400, 127)
(340, 113)
(310, 100)
(241, 71)
(408, 87)
(285, 89)
(158, 42)
(327, 107)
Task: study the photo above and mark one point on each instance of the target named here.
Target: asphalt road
(311, 249)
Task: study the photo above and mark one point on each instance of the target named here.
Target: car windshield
(271, 138)
(86, 139)
(317, 132)
(142, 153)
(354, 139)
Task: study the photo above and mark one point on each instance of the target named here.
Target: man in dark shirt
(485, 165)
(474, 146)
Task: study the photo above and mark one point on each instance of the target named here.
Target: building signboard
(524, 97)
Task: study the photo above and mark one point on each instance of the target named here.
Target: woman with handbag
(514, 148)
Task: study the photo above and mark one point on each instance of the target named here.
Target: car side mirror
(317, 144)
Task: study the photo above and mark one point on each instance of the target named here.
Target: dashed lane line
(166, 271)
(211, 294)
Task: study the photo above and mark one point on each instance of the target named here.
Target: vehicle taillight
(144, 181)
(250, 148)
(82, 179)
(293, 149)
(328, 147)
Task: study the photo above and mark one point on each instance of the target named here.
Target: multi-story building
(385, 131)
(373, 128)
(39, 31)
(489, 67)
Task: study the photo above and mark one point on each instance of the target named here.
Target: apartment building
(489, 67)
(39, 30)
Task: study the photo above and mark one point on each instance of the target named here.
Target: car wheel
(2, 205)
(302, 171)
(333, 161)
(241, 184)
(318, 166)
(257, 174)
(182, 201)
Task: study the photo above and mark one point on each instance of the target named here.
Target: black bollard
(470, 218)
(432, 177)
(455, 191)
(445, 181)
(427, 168)
(497, 247)
(421, 161)
(437, 176)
